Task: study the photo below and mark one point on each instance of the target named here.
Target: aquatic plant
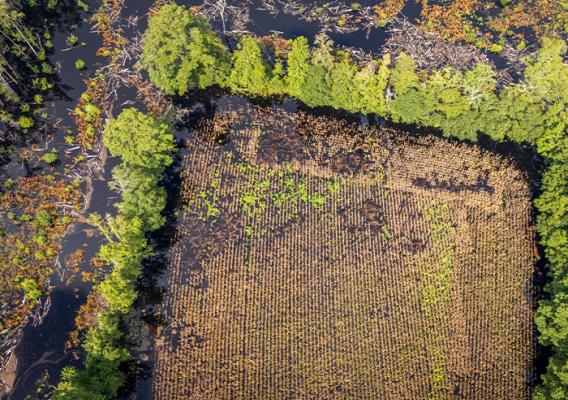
(80, 64)
(24, 68)
(35, 212)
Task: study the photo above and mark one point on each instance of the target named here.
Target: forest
(185, 57)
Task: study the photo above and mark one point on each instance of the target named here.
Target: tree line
(181, 52)
(144, 144)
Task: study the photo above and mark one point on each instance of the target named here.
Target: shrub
(50, 157)
(72, 39)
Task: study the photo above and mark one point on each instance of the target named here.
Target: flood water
(42, 348)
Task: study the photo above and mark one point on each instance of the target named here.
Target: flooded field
(318, 258)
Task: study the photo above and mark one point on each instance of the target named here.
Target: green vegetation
(250, 73)
(72, 40)
(140, 140)
(101, 377)
(436, 292)
(25, 122)
(88, 115)
(461, 105)
(144, 144)
(548, 79)
(263, 186)
(80, 64)
(181, 51)
(50, 157)
(31, 289)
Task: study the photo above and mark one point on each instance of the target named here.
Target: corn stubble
(345, 262)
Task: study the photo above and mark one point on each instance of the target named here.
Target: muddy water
(42, 348)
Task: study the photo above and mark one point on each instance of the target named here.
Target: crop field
(317, 259)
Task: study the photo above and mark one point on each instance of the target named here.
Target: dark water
(42, 348)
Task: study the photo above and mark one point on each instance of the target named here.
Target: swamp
(275, 199)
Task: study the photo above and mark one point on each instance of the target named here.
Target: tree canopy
(250, 72)
(181, 51)
(139, 140)
(145, 144)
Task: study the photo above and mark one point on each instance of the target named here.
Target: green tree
(546, 79)
(479, 84)
(250, 72)
(546, 75)
(370, 84)
(449, 109)
(127, 245)
(118, 291)
(141, 197)
(140, 140)
(409, 104)
(101, 378)
(517, 115)
(342, 82)
(277, 83)
(298, 66)
(316, 90)
(181, 51)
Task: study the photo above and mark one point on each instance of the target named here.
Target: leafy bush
(25, 122)
(43, 218)
(50, 157)
(72, 39)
